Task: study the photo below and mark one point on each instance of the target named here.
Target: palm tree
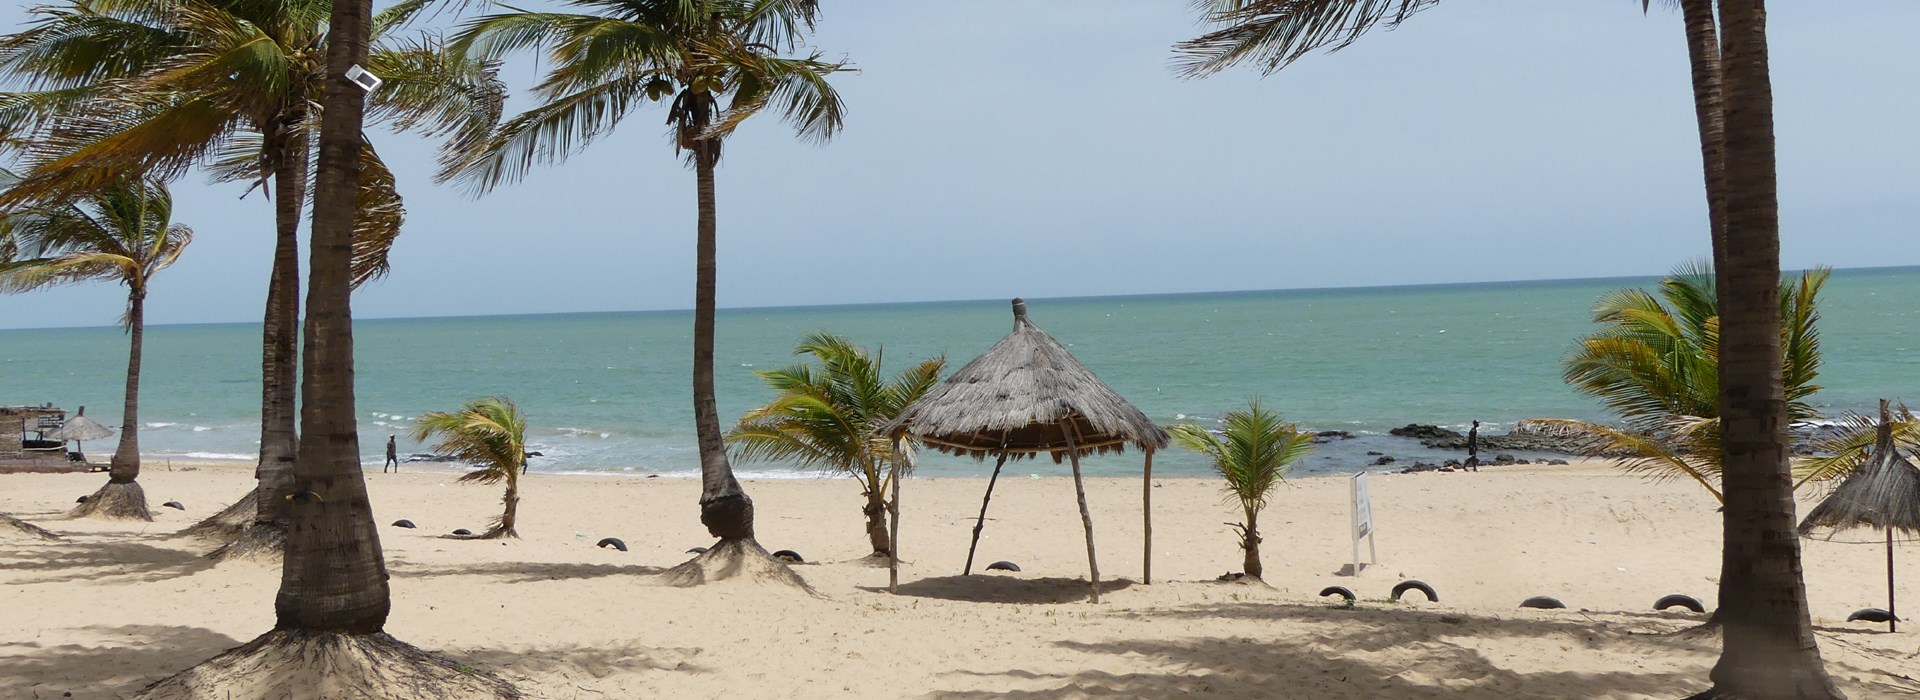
(123, 232)
(1763, 599)
(161, 85)
(331, 610)
(491, 434)
(1769, 650)
(1253, 451)
(825, 417)
(1655, 363)
(715, 63)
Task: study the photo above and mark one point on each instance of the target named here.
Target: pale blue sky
(1001, 148)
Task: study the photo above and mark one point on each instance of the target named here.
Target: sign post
(1362, 522)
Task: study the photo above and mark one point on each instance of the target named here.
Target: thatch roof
(1021, 398)
(81, 427)
(1882, 493)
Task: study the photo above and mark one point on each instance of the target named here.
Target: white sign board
(1362, 521)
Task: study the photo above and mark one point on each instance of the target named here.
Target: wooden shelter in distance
(1027, 396)
(1883, 493)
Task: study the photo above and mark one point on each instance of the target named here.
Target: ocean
(610, 392)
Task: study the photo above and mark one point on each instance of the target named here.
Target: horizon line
(1138, 295)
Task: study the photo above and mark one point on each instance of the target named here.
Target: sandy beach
(119, 605)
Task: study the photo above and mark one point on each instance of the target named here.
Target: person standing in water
(1473, 447)
(393, 456)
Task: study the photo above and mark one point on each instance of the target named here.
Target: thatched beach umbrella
(1883, 493)
(1028, 396)
(80, 428)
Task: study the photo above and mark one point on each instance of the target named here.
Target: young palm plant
(825, 417)
(162, 85)
(1253, 451)
(123, 232)
(715, 63)
(491, 434)
(1654, 362)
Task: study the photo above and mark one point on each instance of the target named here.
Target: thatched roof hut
(1883, 493)
(1028, 396)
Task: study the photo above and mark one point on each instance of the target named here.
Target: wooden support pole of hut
(1146, 513)
(1893, 619)
(1086, 519)
(981, 522)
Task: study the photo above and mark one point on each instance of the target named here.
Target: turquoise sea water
(611, 392)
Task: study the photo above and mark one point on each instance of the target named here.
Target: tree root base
(230, 523)
(116, 502)
(11, 526)
(298, 664)
(257, 542)
(743, 560)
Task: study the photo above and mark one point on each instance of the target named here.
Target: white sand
(120, 605)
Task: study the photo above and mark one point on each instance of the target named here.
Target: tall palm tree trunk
(512, 502)
(1703, 54)
(1770, 651)
(335, 577)
(264, 528)
(122, 496)
(724, 508)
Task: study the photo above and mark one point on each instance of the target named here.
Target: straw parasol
(1883, 493)
(80, 428)
(1028, 396)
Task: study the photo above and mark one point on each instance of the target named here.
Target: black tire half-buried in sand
(1003, 566)
(1871, 615)
(1543, 602)
(1341, 591)
(1679, 600)
(1414, 585)
(613, 542)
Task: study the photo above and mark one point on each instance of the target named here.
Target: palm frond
(1851, 442)
(381, 214)
(1273, 33)
(1689, 450)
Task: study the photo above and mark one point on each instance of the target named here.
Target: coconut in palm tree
(491, 434)
(1252, 451)
(715, 63)
(122, 232)
(827, 417)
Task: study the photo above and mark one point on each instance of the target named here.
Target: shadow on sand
(129, 658)
(116, 561)
(1371, 653)
(993, 588)
(521, 571)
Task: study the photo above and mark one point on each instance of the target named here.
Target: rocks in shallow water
(1374, 453)
(1424, 433)
(1383, 460)
(1325, 436)
(1504, 458)
(424, 457)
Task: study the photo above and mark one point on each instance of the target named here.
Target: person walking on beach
(393, 457)
(1473, 447)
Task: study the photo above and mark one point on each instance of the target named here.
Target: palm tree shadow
(522, 571)
(1372, 653)
(986, 588)
(114, 561)
(144, 653)
(584, 662)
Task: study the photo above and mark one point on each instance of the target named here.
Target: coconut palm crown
(1252, 451)
(828, 417)
(491, 434)
(1654, 363)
